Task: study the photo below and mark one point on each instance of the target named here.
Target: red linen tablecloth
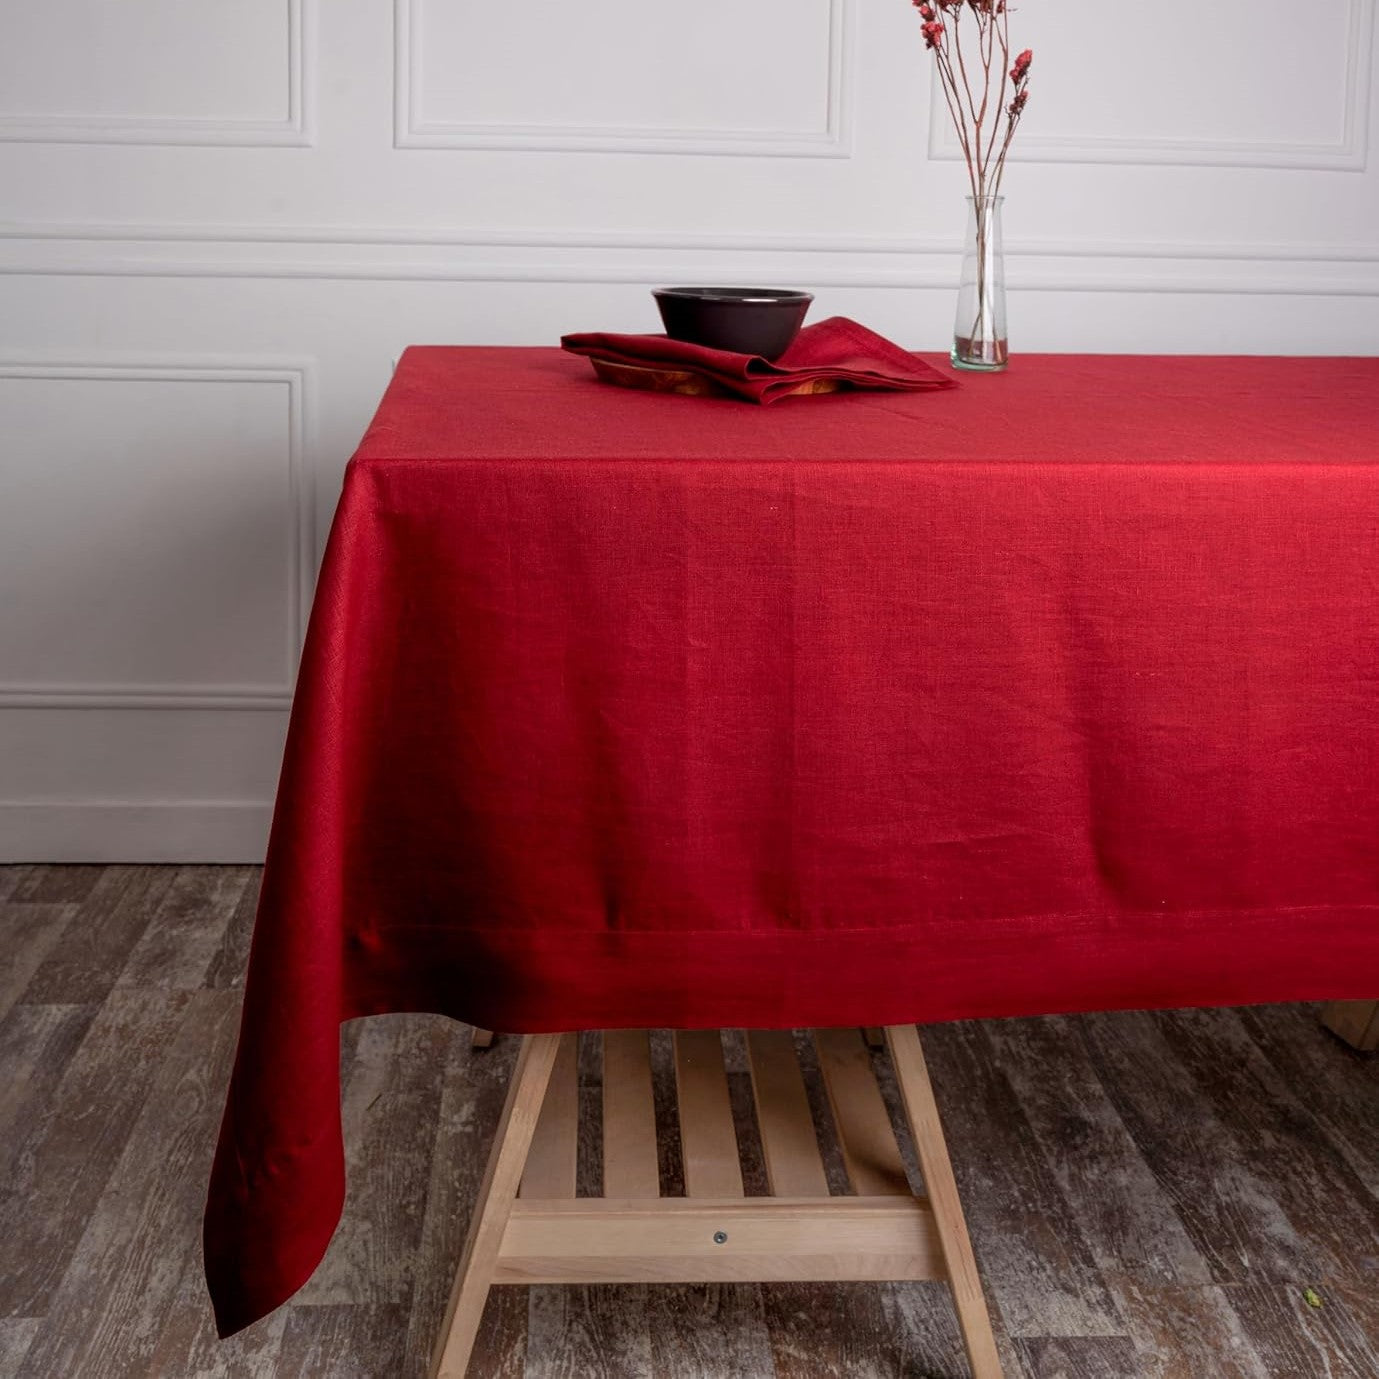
(1052, 692)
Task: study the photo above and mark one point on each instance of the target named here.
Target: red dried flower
(964, 75)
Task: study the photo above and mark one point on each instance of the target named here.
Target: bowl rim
(743, 296)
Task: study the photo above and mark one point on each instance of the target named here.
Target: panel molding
(299, 517)
(297, 130)
(1349, 152)
(392, 237)
(411, 128)
(501, 256)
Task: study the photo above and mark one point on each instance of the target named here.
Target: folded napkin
(836, 349)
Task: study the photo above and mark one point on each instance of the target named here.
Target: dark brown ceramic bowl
(747, 320)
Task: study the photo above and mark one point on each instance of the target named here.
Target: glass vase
(979, 330)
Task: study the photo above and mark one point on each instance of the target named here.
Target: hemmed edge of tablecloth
(533, 981)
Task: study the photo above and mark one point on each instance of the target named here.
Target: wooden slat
(551, 1161)
(789, 1145)
(28, 933)
(674, 1240)
(187, 930)
(132, 1267)
(1356, 1022)
(56, 1164)
(510, 1145)
(226, 968)
(572, 1333)
(864, 1128)
(343, 1338)
(922, 1113)
(115, 916)
(707, 1137)
(629, 1116)
(16, 1336)
(58, 884)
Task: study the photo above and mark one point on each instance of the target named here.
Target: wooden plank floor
(1149, 1194)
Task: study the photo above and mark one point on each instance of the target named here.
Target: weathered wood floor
(1149, 1195)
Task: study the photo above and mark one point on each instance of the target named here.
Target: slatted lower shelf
(531, 1226)
(708, 1136)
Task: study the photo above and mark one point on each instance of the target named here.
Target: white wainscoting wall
(221, 224)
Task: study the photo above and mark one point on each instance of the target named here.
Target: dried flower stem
(943, 31)
(970, 105)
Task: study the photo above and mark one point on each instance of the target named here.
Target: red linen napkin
(837, 349)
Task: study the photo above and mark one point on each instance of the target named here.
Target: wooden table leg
(1354, 1022)
(501, 1180)
(907, 1058)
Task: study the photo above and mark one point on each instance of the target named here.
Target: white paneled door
(220, 225)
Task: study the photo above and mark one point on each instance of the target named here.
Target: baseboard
(128, 831)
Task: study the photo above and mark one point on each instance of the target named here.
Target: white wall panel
(151, 527)
(616, 75)
(155, 71)
(217, 235)
(1239, 83)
